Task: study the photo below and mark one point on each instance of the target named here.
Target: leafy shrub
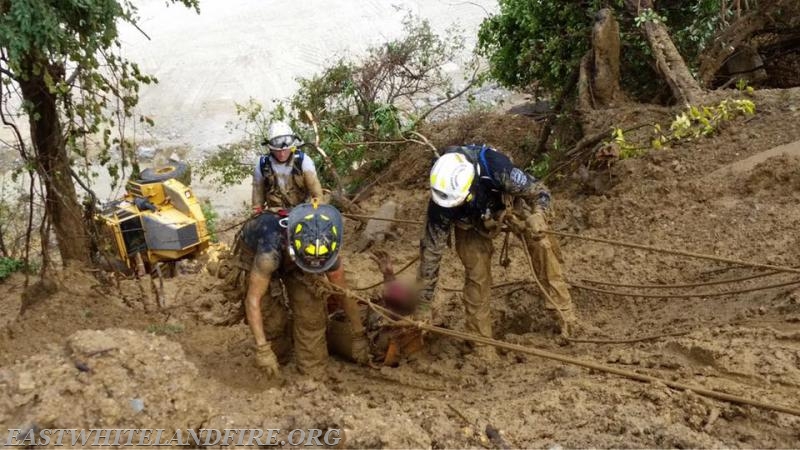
(9, 266)
(357, 105)
(693, 123)
(211, 216)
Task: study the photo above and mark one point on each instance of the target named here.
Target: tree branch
(451, 98)
(22, 151)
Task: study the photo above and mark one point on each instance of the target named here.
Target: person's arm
(516, 182)
(259, 196)
(359, 344)
(311, 179)
(349, 304)
(257, 287)
(524, 187)
(432, 246)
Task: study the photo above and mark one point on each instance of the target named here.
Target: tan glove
(360, 349)
(266, 360)
(536, 224)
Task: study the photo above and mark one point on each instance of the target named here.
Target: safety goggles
(282, 142)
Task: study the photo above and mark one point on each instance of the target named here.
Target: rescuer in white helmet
(474, 189)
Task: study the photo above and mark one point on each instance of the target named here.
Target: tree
(669, 61)
(542, 43)
(64, 56)
(360, 105)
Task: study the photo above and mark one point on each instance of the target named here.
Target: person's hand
(266, 360)
(360, 349)
(536, 224)
(258, 209)
(384, 262)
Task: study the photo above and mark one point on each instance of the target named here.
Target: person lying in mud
(474, 190)
(389, 344)
(299, 249)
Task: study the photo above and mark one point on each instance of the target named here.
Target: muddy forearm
(348, 303)
(313, 185)
(252, 308)
(258, 196)
(526, 187)
(258, 285)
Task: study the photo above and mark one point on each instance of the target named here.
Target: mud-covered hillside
(730, 195)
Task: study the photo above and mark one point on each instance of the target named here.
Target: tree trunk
(669, 61)
(53, 166)
(599, 77)
(742, 30)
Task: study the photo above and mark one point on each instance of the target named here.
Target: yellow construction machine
(159, 220)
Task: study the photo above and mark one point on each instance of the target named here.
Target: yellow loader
(159, 220)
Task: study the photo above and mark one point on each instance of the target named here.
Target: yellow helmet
(315, 236)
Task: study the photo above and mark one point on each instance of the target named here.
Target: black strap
(297, 164)
(265, 166)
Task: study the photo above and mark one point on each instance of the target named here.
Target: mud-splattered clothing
(264, 250)
(284, 185)
(499, 185)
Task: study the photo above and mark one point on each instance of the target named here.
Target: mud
(189, 372)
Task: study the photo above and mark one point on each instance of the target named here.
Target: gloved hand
(536, 224)
(266, 360)
(360, 349)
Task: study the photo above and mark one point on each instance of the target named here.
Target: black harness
(269, 174)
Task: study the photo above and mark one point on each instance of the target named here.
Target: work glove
(360, 349)
(536, 224)
(266, 360)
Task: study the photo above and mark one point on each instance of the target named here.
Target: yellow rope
(399, 320)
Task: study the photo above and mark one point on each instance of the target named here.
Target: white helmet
(451, 178)
(281, 136)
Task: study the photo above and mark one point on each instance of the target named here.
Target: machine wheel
(178, 170)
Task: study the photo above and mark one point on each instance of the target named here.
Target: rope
(674, 252)
(718, 395)
(402, 269)
(386, 219)
(699, 294)
(494, 286)
(634, 294)
(622, 244)
(678, 286)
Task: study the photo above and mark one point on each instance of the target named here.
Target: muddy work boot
(571, 327)
(568, 323)
(486, 353)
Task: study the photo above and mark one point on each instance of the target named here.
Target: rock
(90, 341)
(137, 405)
(377, 230)
(25, 382)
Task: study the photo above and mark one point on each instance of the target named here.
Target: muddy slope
(746, 344)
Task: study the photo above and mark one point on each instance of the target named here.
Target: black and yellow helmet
(315, 236)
